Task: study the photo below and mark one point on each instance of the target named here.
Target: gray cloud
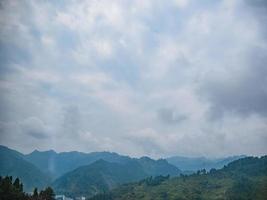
(37, 135)
(243, 92)
(34, 127)
(169, 116)
(241, 88)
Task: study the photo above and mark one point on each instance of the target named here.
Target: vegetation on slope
(244, 179)
(102, 176)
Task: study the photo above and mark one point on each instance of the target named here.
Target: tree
(9, 190)
(47, 194)
(35, 193)
(18, 186)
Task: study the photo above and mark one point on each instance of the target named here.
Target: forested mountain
(76, 171)
(106, 171)
(56, 164)
(197, 163)
(101, 176)
(13, 164)
(243, 179)
(88, 174)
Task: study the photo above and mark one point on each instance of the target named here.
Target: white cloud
(181, 3)
(100, 72)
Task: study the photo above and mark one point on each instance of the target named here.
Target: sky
(143, 77)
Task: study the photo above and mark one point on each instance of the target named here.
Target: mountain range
(65, 171)
(77, 173)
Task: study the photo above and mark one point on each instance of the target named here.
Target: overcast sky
(143, 77)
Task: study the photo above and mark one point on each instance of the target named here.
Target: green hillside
(102, 176)
(244, 179)
(13, 164)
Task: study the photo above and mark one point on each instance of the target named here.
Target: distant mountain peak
(145, 158)
(51, 151)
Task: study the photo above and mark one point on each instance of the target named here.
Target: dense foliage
(10, 190)
(244, 179)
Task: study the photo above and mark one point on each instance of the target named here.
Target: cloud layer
(145, 77)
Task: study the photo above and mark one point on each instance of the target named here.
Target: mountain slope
(101, 176)
(243, 179)
(158, 167)
(13, 164)
(198, 163)
(57, 164)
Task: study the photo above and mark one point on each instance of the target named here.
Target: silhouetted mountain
(13, 164)
(197, 163)
(101, 176)
(243, 179)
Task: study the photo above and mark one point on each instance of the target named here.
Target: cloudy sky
(143, 77)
